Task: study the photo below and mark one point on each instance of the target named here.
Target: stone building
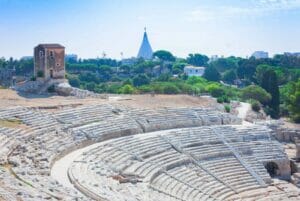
(49, 61)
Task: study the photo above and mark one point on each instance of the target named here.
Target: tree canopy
(256, 93)
(164, 55)
(212, 74)
(197, 59)
(270, 84)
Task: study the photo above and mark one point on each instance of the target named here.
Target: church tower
(145, 51)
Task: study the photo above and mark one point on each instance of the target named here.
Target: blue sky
(90, 27)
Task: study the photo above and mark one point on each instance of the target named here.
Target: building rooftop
(145, 51)
(51, 45)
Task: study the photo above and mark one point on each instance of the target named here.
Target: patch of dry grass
(10, 123)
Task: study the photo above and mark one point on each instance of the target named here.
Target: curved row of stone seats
(193, 136)
(106, 129)
(178, 189)
(156, 157)
(190, 183)
(9, 139)
(258, 167)
(145, 155)
(142, 147)
(33, 159)
(13, 189)
(4, 195)
(202, 152)
(149, 120)
(85, 114)
(162, 119)
(37, 119)
(5, 145)
(10, 113)
(150, 166)
(245, 133)
(267, 151)
(33, 118)
(226, 169)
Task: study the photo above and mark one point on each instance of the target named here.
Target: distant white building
(260, 55)
(129, 61)
(213, 58)
(71, 57)
(194, 71)
(26, 57)
(296, 54)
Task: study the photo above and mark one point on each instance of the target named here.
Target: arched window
(51, 54)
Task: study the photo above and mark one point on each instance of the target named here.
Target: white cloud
(257, 9)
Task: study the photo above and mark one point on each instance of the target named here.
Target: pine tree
(211, 74)
(270, 84)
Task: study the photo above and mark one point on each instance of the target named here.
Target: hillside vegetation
(271, 84)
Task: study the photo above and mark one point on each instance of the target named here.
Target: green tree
(143, 67)
(281, 73)
(246, 68)
(197, 59)
(178, 67)
(164, 55)
(170, 89)
(211, 74)
(105, 72)
(90, 86)
(270, 84)
(215, 90)
(195, 80)
(224, 64)
(74, 81)
(140, 80)
(256, 93)
(294, 102)
(229, 76)
(127, 89)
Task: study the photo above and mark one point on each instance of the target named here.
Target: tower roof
(50, 45)
(145, 51)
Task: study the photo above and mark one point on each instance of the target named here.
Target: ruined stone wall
(55, 62)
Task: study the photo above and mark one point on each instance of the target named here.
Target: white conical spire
(145, 51)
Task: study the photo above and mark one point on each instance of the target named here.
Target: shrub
(256, 93)
(255, 105)
(51, 89)
(140, 80)
(33, 78)
(114, 88)
(145, 89)
(217, 92)
(227, 108)
(195, 80)
(40, 73)
(226, 99)
(127, 89)
(220, 100)
(74, 81)
(170, 89)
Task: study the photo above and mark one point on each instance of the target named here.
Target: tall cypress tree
(270, 84)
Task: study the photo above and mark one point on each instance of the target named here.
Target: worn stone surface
(45, 134)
